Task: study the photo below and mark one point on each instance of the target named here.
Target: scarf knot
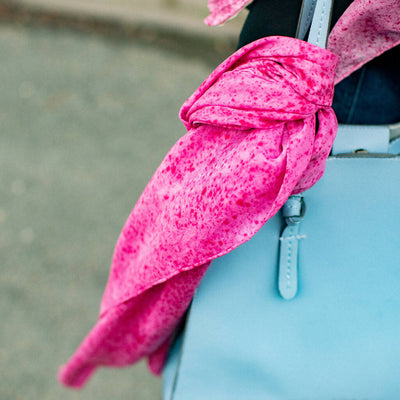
(272, 80)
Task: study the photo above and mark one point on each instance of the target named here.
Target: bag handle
(316, 13)
(305, 18)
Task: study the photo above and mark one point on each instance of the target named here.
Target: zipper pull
(293, 212)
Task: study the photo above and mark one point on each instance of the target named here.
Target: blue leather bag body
(318, 319)
(309, 308)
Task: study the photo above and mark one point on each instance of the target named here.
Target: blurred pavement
(85, 119)
(179, 18)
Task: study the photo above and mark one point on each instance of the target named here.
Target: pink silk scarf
(223, 10)
(251, 142)
(367, 29)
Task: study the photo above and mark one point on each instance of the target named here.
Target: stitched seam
(298, 237)
(308, 19)
(320, 23)
(310, 12)
(288, 263)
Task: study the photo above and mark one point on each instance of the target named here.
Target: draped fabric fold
(260, 128)
(367, 29)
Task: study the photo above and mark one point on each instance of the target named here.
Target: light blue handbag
(337, 335)
(309, 308)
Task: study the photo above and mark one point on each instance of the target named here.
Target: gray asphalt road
(84, 122)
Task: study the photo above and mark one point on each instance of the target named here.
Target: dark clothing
(371, 95)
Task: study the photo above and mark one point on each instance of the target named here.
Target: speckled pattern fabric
(251, 142)
(366, 29)
(223, 10)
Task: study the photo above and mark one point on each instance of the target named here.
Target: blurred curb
(177, 25)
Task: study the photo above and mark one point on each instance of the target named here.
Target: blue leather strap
(316, 13)
(320, 23)
(349, 138)
(293, 212)
(306, 15)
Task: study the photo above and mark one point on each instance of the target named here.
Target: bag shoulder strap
(317, 14)
(305, 18)
(321, 22)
